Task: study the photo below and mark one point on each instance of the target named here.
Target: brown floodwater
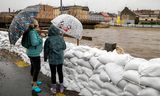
(139, 42)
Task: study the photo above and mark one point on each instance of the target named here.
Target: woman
(33, 53)
(53, 51)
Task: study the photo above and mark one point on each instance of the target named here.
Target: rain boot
(53, 88)
(61, 88)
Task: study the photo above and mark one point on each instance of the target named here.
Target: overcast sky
(94, 5)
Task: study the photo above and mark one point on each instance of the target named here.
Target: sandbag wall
(94, 72)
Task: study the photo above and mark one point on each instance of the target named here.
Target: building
(128, 16)
(47, 13)
(148, 16)
(80, 12)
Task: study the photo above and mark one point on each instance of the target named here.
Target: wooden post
(110, 46)
(77, 42)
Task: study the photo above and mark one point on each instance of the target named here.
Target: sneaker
(36, 89)
(38, 83)
(53, 88)
(61, 88)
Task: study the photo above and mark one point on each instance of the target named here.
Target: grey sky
(94, 5)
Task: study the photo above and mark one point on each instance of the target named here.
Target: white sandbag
(70, 71)
(93, 85)
(153, 82)
(113, 57)
(84, 63)
(69, 54)
(78, 54)
(155, 60)
(94, 62)
(87, 71)
(73, 86)
(97, 52)
(104, 76)
(85, 92)
(132, 88)
(67, 63)
(151, 68)
(74, 60)
(133, 64)
(149, 92)
(121, 84)
(87, 55)
(132, 76)
(79, 69)
(99, 69)
(106, 58)
(82, 77)
(126, 94)
(112, 88)
(114, 71)
(107, 93)
(95, 78)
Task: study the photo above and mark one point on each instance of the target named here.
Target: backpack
(26, 42)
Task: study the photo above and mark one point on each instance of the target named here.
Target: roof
(126, 10)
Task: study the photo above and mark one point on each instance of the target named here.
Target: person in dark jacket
(53, 51)
(33, 53)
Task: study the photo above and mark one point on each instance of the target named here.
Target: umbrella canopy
(21, 22)
(69, 25)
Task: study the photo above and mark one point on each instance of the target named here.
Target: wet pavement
(16, 81)
(139, 42)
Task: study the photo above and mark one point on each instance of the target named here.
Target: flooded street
(139, 42)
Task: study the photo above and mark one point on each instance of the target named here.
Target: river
(139, 42)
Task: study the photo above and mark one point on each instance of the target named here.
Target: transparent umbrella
(21, 22)
(69, 25)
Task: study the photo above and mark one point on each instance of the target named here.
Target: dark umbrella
(21, 22)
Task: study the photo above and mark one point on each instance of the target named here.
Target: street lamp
(61, 6)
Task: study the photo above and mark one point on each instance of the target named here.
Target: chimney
(9, 9)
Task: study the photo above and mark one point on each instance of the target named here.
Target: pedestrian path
(14, 81)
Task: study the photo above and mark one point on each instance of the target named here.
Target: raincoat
(54, 46)
(36, 44)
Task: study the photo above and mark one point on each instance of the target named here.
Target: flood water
(139, 42)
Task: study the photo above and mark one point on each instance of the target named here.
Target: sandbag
(114, 71)
(95, 78)
(132, 88)
(78, 54)
(132, 76)
(93, 85)
(149, 92)
(104, 76)
(69, 54)
(134, 63)
(85, 92)
(112, 88)
(153, 82)
(122, 83)
(94, 62)
(74, 60)
(82, 77)
(84, 63)
(107, 93)
(87, 55)
(150, 69)
(87, 71)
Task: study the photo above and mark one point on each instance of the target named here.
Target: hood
(53, 31)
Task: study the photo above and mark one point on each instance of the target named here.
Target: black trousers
(54, 69)
(35, 67)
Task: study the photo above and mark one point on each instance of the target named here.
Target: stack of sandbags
(150, 78)
(132, 76)
(90, 70)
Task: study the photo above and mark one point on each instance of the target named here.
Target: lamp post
(61, 6)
